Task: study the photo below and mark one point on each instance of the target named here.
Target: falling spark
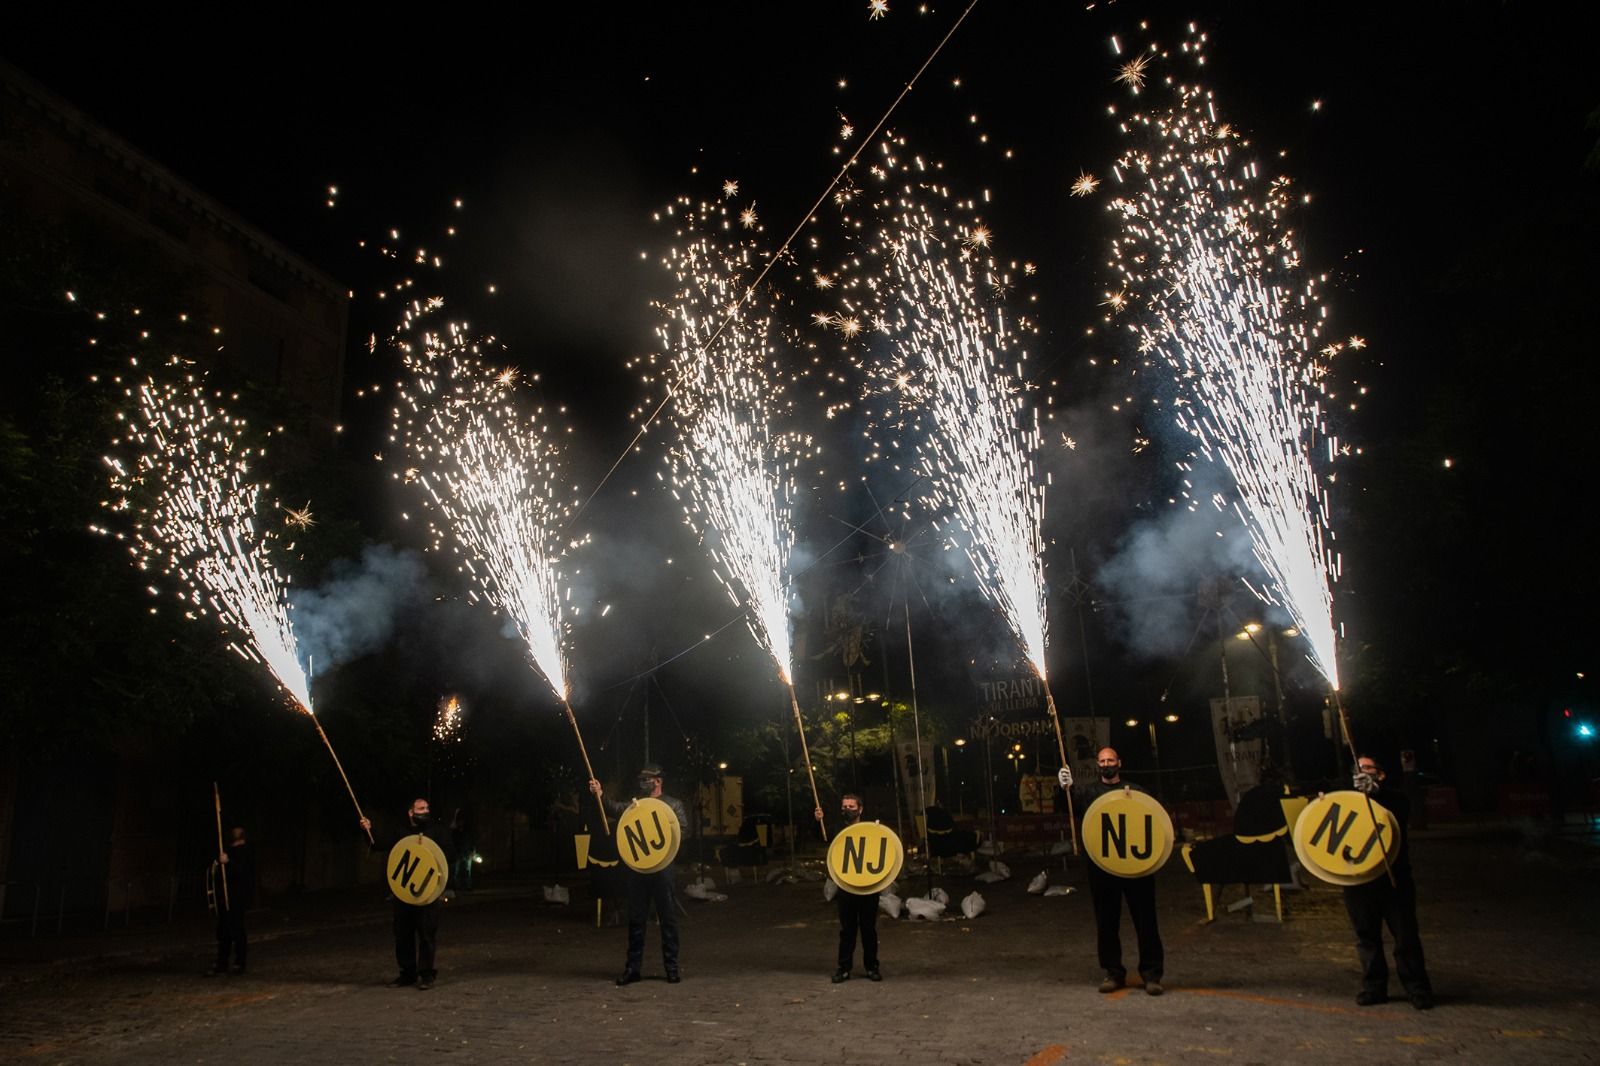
(493, 473)
(876, 9)
(447, 723)
(192, 506)
(1233, 314)
(1086, 184)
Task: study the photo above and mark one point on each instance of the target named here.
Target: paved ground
(1509, 927)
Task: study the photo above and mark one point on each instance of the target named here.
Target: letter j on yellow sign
(1127, 833)
(417, 871)
(648, 835)
(865, 858)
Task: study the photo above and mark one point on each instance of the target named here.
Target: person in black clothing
(856, 913)
(649, 890)
(1380, 902)
(416, 929)
(1108, 891)
(238, 867)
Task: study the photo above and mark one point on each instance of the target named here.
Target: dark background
(1453, 177)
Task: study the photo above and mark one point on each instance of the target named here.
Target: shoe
(1153, 988)
(673, 977)
(1112, 983)
(628, 977)
(403, 981)
(874, 975)
(1366, 998)
(425, 983)
(841, 976)
(1422, 1000)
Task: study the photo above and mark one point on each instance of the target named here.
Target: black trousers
(1372, 906)
(857, 914)
(230, 936)
(646, 891)
(416, 931)
(1108, 892)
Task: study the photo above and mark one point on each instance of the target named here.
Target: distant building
(283, 320)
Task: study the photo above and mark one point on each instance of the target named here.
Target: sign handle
(1061, 747)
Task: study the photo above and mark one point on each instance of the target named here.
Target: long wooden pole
(222, 867)
(601, 800)
(1061, 748)
(342, 774)
(805, 753)
(1355, 758)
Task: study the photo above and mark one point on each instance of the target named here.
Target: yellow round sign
(1341, 837)
(648, 835)
(417, 870)
(865, 858)
(1127, 833)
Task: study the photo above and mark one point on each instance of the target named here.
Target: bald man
(1108, 891)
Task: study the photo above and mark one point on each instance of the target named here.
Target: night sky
(1451, 209)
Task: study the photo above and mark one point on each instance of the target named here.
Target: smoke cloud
(354, 612)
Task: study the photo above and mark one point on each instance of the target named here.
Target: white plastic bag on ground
(929, 910)
(829, 890)
(734, 876)
(941, 895)
(890, 904)
(973, 905)
(1038, 884)
(1060, 890)
(701, 890)
(1000, 868)
(557, 894)
(704, 882)
(1061, 847)
(997, 871)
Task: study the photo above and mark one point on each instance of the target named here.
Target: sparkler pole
(805, 753)
(573, 720)
(342, 774)
(1061, 747)
(222, 868)
(1344, 724)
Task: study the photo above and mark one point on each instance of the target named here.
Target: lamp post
(1155, 745)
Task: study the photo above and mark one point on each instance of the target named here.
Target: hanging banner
(1127, 833)
(648, 835)
(865, 858)
(1236, 728)
(1342, 837)
(917, 795)
(417, 871)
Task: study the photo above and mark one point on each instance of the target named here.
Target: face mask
(420, 820)
(848, 814)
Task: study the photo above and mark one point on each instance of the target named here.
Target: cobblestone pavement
(1509, 930)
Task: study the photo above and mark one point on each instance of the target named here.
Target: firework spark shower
(731, 467)
(952, 379)
(493, 478)
(194, 511)
(1205, 246)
